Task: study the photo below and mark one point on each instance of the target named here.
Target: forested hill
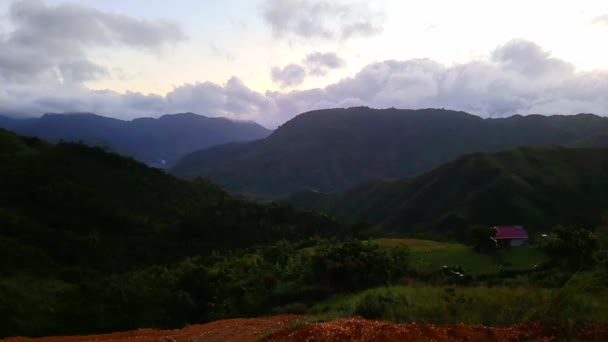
(334, 149)
(158, 142)
(87, 239)
(77, 205)
(538, 187)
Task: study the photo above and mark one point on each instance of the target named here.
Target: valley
(93, 242)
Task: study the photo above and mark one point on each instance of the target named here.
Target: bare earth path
(283, 328)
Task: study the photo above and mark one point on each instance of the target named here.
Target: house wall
(519, 242)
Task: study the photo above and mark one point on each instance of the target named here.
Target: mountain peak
(182, 115)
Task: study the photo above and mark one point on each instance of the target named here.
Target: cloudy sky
(269, 60)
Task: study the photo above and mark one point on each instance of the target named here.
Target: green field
(432, 255)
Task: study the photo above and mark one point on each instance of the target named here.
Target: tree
(354, 265)
(601, 234)
(363, 230)
(569, 247)
(479, 238)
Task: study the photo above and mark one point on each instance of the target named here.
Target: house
(510, 236)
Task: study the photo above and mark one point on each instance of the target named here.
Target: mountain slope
(538, 187)
(82, 205)
(331, 150)
(158, 142)
(91, 241)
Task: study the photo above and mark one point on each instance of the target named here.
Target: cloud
(519, 77)
(314, 64)
(50, 43)
(288, 76)
(233, 100)
(321, 19)
(530, 59)
(602, 19)
(319, 64)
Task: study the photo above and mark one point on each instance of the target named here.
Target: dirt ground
(237, 330)
(361, 330)
(292, 328)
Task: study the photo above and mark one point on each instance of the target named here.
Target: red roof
(510, 232)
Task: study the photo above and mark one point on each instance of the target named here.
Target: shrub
(378, 304)
(572, 248)
(354, 265)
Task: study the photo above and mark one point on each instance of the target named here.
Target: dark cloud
(288, 76)
(520, 77)
(50, 43)
(321, 19)
(319, 64)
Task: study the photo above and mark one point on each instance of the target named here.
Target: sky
(269, 60)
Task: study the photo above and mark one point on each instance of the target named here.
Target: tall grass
(497, 306)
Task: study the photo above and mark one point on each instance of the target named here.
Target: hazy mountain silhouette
(157, 142)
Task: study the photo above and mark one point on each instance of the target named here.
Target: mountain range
(334, 149)
(537, 187)
(156, 142)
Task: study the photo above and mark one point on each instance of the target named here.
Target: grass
(432, 255)
(494, 306)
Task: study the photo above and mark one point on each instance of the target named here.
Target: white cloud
(288, 76)
(319, 64)
(520, 77)
(603, 19)
(321, 19)
(314, 64)
(233, 99)
(49, 43)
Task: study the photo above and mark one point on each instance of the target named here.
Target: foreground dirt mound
(281, 328)
(361, 330)
(237, 330)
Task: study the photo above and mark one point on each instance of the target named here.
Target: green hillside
(85, 236)
(538, 187)
(11, 143)
(84, 205)
(335, 149)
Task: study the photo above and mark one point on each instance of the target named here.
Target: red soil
(280, 328)
(237, 330)
(361, 330)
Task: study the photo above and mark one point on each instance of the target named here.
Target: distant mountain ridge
(157, 142)
(538, 187)
(334, 149)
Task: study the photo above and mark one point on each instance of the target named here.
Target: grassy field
(432, 255)
(495, 306)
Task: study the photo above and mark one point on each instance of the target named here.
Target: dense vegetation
(94, 242)
(159, 142)
(334, 149)
(537, 187)
(79, 224)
